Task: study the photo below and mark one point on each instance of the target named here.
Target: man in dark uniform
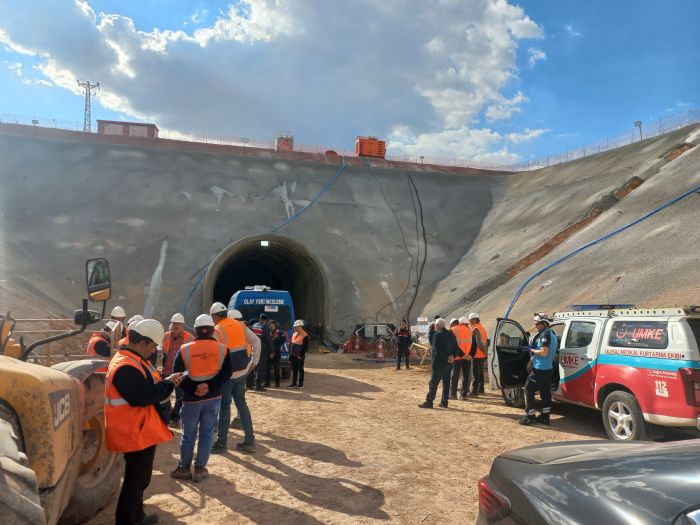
(267, 350)
(403, 344)
(444, 349)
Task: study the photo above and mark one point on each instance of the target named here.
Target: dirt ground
(353, 447)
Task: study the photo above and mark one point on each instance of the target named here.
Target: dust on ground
(353, 447)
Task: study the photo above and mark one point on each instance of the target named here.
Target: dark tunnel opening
(282, 265)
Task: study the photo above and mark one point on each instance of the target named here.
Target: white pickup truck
(640, 367)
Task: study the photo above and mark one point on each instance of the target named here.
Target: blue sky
(477, 79)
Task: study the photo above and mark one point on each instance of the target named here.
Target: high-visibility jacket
(94, 338)
(203, 358)
(480, 354)
(168, 356)
(124, 341)
(464, 339)
(297, 342)
(232, 334)
(131, 428)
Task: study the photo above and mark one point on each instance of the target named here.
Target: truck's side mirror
(97, 277)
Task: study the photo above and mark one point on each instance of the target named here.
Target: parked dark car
(596, 482)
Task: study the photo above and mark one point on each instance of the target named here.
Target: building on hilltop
(128, 129)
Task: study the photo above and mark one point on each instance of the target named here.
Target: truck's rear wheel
(19, 493)
(622, 417)
(100, 469)
(514, 397)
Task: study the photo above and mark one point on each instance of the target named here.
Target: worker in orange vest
(172, 341)
(462, 363)
(297, 354)
(207, 365)
(479, 347)
(238, 338)
(135, 319)
(100, 344)
(136, 405)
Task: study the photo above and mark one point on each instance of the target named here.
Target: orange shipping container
(370, 147)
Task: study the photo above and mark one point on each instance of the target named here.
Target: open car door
(507, 360)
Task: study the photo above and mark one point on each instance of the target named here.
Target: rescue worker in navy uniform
(297, 354)
(403, 344)
(267, 350)
(273, 364)
(539, 379)
(136, 416)
(444, 350)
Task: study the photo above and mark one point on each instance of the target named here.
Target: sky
(484, 80)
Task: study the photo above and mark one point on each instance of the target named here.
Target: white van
(640, 367)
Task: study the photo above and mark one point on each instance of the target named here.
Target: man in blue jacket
(540, 376)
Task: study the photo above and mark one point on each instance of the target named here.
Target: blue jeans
(224, 412)
(238, 393)
(202, 414)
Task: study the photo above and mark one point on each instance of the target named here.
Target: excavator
(54, 463)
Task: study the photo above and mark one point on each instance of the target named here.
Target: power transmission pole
(88, 88)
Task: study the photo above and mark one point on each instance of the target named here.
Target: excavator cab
(54, 463)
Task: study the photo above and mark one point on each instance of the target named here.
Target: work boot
(181, 473)
(300, 385)
(443, 404)
(200, 473)
(453, 396)
(236, 423)
(149, 519)
(218, 448)
(277, 384)
(463, 398)
(174, 423)
(473, 394)
(244, 446)
(293, 385)
(398, 368)
(260, 388)
(527, 420)
(425, 404)
(543, 419)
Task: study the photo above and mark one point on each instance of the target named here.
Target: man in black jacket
(444, 349)
(403, 344)
(267, 351)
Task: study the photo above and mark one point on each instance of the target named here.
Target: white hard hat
(118, 311)
(134, 319)
(453, 321)
(203, 320)
(542, 317)
(149, 328)
(217, 308)
(299, 322)
(474, 315)
(234, 314)
(463, 320)
(177, 318)
(110, 325)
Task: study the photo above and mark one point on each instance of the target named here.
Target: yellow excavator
(54, 463)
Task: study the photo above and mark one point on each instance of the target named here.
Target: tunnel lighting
(264, 243)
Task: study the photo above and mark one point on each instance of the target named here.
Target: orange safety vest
(94, 338)
(232, 333)
(131, 428)
(464, 339)
(480, 354)
(124, 340)
(167, 340)
(203, 358)
(297, 342)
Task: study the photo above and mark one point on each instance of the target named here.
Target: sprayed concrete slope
(653, 263)
(161, 215)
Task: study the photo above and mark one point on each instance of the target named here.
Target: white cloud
(36, 82)
(15, 67)
(425, 73)
(535, 55)
(527, 134)
(571, 31)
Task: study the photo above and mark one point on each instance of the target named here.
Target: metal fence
(648, 130)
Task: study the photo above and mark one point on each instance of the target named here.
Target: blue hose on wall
(598, 241)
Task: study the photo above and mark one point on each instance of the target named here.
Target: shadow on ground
(314, 451)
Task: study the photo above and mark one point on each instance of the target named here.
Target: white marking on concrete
(132, 221)
(385, 285)
(695, 135)
(185, 194)
(61, 219)
(282, 193)
(358, 294)
(219, 193)
(153, 295)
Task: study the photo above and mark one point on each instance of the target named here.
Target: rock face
(182, 228)
(182, 225)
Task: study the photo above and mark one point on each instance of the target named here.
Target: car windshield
(278, 313)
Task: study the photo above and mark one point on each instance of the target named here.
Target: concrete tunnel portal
(275, 261)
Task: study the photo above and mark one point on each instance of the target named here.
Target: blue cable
(323, 190)
(597, 241)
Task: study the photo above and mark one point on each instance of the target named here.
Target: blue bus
(276, 305)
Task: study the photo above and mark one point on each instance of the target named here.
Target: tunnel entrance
(281, 264)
